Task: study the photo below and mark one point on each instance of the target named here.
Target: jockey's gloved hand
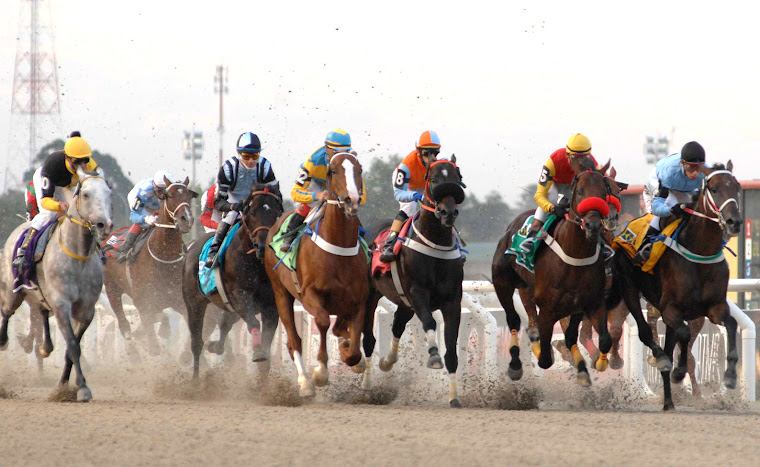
(150, 220)
(233, 207)
(678, 210)
(417, 196)
(561, 208)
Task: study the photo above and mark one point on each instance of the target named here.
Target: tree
(380, 202)
(484, 221)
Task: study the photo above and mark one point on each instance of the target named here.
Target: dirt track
(155, 415)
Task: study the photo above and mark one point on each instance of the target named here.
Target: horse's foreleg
(571, 341)
(452, 314)
(368, 338)
(7, 309)
(114, 294)
(320, 374)
(560, 344)
(662, 362)
(402, 316)
(269, 321)
(195, 314)
(83, 393)
(682, 335)
(532, 311)
(605, 340)
(616, 318)
(695, 326)
(254, 329)
(670, 344)
(505, 292)
(226, 321)
(545, 329)
(586, 336)
(421, 304)
(715, 313)
(63, 315)
(46, 348)
(287, 316)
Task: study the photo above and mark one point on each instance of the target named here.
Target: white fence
(483, 338)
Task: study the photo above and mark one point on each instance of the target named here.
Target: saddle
(113, 246)
(27, 278)
(633, 236)
(378, 267)
(528, 260)
(207, 277)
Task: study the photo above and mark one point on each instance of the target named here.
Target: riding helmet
(338, 139)
(693, 152)
(428, 139)
(76, 146)
(158, 178)
(578, 145)
(249, 143)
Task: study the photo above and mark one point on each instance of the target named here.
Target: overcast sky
(503, 86)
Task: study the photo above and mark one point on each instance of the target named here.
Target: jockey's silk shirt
(56, 173)
(671, 178)
(143, 201)
(312, 179)
(557, 169)
(409, 178)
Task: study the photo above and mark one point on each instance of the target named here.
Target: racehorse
(35, 335)
(70, 275)
(431, 272)
(569, 278)
(331, 275)
(248, 290)
(152, 279)
(690, 280)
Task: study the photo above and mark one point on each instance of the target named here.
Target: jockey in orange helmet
(409, 186)
(557, 171)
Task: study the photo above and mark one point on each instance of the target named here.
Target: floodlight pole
(220, 87)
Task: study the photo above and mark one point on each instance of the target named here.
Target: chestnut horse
(152, 279)
(690, 281)
(430, 272)
(331, 275)
(245, 282)
(569, 277)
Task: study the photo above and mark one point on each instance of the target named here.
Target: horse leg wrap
(366, 384)
(394, 345)
(431, 343)
(577, 357)
(453, 395)
(255, 337)
(513, 339)
(601, 364)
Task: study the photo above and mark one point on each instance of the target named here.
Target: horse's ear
(606, 166)
(613, 173)
(187, 180)
(193, 193)
(453, 158)
(730, 166)
(167, 182)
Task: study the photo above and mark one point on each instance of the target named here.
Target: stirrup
(527, 244)
(19, 262)
(387, 256)
(643, 255)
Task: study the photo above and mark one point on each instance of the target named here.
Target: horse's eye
(85, 196)
(713, 189)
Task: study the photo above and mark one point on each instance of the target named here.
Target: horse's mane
(718, 166)
(587, 164)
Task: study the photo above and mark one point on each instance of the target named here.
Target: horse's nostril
(456, 212)
(100, 225)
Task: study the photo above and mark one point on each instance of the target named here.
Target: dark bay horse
(690, 281)
(245, 281)
(331, 275)
(569, 279)
(430, 271)
(153, 279)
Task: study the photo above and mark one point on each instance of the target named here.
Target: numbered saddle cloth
(206, 276)
(633, 235)
(528, 260)
(113, 246)
(27, 278)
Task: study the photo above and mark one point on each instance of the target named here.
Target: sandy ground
(154, 414)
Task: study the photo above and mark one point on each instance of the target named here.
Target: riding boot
(530, 239)
(221, 232)
(290, 232)
(388, 256)
(645, 250)
(19, 262)
(129, 242)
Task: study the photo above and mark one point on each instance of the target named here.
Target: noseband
(429, 199)
(252, 232)
(709, 202)
(592, 203)
(172, 214)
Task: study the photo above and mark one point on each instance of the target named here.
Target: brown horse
(245, 282)
(430, 273)
(568, 281)
(331, 275)
(153, 279)
(690, 281)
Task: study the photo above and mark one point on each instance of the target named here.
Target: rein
(709, 203)
(86, 224)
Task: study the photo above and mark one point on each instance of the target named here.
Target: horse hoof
(84, 394)
(386, 364)
(366, 385)
(664, 364)
(668, 406)
(359, 367)
(535, 346)
(455, 404)
(515, 374)
(307, 390)
(4, 346)
(435, 362)
(729, 380)
(545, 362)
(42, 352)
(583, 380)
(616, 363)
(678, 374)
(215, 348)
(25, 343)
(652, 361)
(319, 378)
(259, 354)
(601, 365)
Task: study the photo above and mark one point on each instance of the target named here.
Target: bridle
(709, 203)
(592, 203)
(427, 196)
(86, 224)
(337, 201)
(252, 232)
(172, 214)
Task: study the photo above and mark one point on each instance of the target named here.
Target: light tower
(220, 87)
(35, 99)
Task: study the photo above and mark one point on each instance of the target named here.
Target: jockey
(210, 217)
(675, 180)
(409, 186)
(236, 177)
(557, 172)
(144, 200)
(30, 198)
(58, 171)
(310, 187)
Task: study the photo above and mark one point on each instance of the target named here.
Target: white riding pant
(61, 194)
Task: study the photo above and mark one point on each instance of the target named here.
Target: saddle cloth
(206, 276)
(633, 236)
(28, 277)
(378, 267)
(528, 260)
(112, 247)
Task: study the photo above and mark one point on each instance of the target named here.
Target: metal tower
(36, 103)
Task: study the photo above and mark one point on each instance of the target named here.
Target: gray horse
(70, 274)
